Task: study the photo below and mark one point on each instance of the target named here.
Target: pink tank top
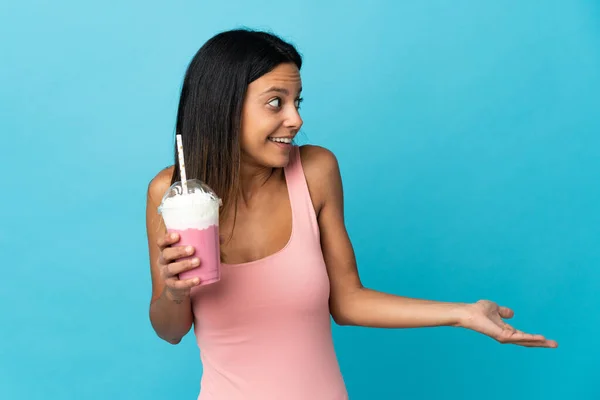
(264, 330)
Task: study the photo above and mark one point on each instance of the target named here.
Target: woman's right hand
(171, 264)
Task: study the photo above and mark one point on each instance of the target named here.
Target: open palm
(486, 317)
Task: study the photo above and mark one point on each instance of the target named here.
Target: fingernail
(189, 249)
(173, 236)
(196, 281)
(195, 261)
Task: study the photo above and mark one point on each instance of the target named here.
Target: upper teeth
(281, 140)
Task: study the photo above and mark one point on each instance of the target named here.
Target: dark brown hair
(210, 105)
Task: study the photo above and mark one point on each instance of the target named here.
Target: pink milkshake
(194, 215)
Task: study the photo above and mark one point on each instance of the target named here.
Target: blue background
(468, 138)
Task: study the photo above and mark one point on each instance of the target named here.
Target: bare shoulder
(321, 170)
(314, 156)
(154, 223)
(159, 185)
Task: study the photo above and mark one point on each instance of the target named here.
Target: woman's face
(270, 117)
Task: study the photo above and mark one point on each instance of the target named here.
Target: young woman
(287, 263)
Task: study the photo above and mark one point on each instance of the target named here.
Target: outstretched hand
(487, 317)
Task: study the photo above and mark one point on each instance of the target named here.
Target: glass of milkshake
(191, 209)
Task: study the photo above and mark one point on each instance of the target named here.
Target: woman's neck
(253, 178)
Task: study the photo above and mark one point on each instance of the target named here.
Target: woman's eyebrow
(279, 90)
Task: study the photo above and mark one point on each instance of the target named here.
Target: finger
(167, 240)
(505, 312)
(182, 284)
(515, 335)
(176, 268)
(174, 253)
(529, 336)
(551, 344)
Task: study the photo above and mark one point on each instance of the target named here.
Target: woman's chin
(270, 156)
(284, 147)
(278, 154)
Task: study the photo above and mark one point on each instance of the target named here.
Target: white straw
(181, 164)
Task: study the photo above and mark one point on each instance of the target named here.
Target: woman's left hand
(486, 317)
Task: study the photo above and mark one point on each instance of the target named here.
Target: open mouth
(281, 140)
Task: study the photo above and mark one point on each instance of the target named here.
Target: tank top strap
(303, 211)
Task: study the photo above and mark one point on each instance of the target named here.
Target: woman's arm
(353, 304)
(170, 317)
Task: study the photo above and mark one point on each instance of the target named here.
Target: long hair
(210, 106)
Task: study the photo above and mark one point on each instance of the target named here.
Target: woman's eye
(298, 101)
(276, 102)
